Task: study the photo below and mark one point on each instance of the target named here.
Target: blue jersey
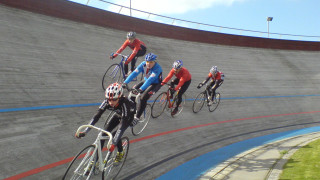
(151, 76)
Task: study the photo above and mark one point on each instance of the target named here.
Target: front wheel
(111, 170)
(143, 122)
(159, 104)
(82, 165)
(198, 102)
(215, 102)
(183, 102)
(112, 75)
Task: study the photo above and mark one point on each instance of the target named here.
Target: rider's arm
(168, 77)
(153, 78)
(97, 116)
(135, 73)
(124, 45)
(207, 79)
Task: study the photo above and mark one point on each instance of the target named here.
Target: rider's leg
(144, 98)
(125, 67)
(182, 90)
(109, 127)
(210, 87)
(215, 87)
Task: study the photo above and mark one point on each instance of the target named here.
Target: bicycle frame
(97, 145)
(116, 70)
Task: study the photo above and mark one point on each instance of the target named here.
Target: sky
(292, 19)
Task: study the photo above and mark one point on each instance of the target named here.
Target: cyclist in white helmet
(217, 78)
(182, 80)
(138, 47)
(124, 107)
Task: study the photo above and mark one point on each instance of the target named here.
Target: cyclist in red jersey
(217, 78)
(138, 47)
(182, 80)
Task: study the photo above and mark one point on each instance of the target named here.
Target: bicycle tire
(182, 104)
(159, 104)
(215, 103)
(142, 124)
(198, 102)
(112, 75)
(111, 171)
(86, 156)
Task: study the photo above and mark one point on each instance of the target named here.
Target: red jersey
(184, 75)
(218, 76)
(135, 46)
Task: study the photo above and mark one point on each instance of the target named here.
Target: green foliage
(304, 164)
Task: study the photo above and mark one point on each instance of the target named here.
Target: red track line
(49, 166)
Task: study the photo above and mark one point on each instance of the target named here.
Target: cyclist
(124, 108)
(138, 47)
(182, 80)
(151, 84)
(217, 78)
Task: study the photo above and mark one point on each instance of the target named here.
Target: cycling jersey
(151, 76)
(218, 76)
(183, 76)
(135, 46)
(126, 110)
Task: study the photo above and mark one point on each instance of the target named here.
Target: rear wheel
(159, 104)
(180, 108)
(83, 164)
(112, 75)
(112, 169)
(198, 102)
(143, 122)
(215, 102)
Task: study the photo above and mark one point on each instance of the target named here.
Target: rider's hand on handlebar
(200, 85)
(112, 55)
(80, 135)
(124, 85)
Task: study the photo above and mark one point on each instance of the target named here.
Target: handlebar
(99, 129)
(124, 56)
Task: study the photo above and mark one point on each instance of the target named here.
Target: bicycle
(204, 97)
(114, 72)
(168, 102)
(89, 160)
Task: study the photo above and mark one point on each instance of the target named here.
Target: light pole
(269, 19)
(130, 8)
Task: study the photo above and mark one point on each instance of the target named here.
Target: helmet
(214, 69)
(131, 35)
(177, 64)
(114, 91)
(150, 57)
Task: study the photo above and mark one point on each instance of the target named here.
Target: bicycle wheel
(198, 102)
(215, 103)
(112, 75)
(159, 105)
(83, 164)
(112, 169)
(142, 124)
(183, 102)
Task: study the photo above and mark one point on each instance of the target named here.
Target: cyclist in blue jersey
(151, 84)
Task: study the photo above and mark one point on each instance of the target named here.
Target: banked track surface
(47, 61)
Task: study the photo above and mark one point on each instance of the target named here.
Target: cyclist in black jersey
(124, 107)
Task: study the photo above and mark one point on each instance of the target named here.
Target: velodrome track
(55, 66)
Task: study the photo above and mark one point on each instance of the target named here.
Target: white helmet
(214, 69)
(131, 35)
(114, 91)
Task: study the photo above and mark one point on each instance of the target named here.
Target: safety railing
(125, 10)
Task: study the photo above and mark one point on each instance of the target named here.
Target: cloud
(165, 7)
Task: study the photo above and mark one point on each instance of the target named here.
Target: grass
(303, 164)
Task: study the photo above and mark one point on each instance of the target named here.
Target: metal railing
(101, 4)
